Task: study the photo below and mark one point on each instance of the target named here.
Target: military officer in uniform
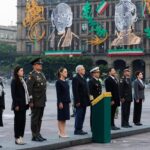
(95, 87)
(37, 91)
(126, 97)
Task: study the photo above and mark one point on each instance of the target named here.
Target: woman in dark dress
(63, 100)
(20, 99)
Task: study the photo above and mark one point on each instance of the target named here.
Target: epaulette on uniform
(30, 75)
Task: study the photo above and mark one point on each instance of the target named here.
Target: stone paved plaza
(49, 126)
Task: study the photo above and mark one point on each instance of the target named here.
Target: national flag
(102, 7)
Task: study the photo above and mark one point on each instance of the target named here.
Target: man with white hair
(81, 99)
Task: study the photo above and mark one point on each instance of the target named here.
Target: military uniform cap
(95, 69)
(36, 61)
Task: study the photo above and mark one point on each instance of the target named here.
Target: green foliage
(6, 49)
(52, 64)
(103, 69)
(24, 61)
(7, 57)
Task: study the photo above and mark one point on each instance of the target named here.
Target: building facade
(98, 53)
(8, 34)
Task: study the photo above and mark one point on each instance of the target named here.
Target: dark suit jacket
(95, 87)
(113, 87)
(80, 91)
(2, 101)
(62, 91)
(18, 95)
(2, 97)
(126, 89)
(138, 90)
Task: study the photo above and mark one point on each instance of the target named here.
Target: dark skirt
(63, 114)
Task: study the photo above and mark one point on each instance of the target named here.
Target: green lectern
(101, 118)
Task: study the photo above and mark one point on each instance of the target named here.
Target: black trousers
(36, 120)
(125, 113)
(91, 107)
(79, 118)
(19, 123)
(1, 117)
(113, 111)
(137, 111)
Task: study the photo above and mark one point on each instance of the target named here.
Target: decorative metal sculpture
(34, 17)
(145, 13)
(96, 27)
(125, 16)
(61, 19)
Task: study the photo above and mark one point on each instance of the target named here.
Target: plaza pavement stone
(49, 126)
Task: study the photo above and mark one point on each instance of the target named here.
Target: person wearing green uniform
(36, 83)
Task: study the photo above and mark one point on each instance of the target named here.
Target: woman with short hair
(63, 101)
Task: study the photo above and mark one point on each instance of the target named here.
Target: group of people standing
(32, 94)
(121, 91)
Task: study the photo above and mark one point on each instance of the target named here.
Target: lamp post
(10, 62)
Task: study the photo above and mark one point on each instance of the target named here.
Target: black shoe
(80, 132)
(0, 146)
(138, 124)
(129, 126)
(114, 128)
(125, 126)
(37, 139)
(44, 139)
(72, 115)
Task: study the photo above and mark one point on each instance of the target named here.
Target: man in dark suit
(126, 97)
(37, 91)
(95, 87)
(112, 85)
(81, 99)
(2, 102)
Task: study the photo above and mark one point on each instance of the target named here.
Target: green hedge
(51, 64)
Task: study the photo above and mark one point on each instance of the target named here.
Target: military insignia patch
(121, 81)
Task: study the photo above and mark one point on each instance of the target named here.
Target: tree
(52, 64)
(7, 57)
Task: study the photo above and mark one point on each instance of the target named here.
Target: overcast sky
(8, 12)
